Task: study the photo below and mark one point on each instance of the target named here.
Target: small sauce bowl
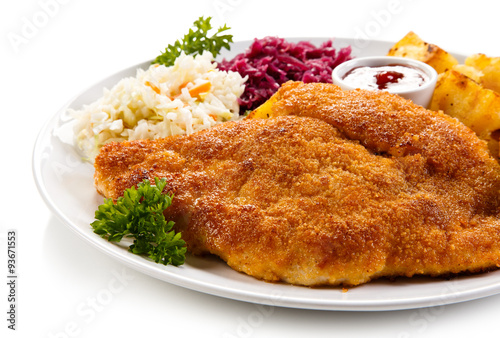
(420, 94)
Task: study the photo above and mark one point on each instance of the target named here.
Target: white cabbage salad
(160, 101)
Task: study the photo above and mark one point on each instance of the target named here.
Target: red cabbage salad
(272, 61)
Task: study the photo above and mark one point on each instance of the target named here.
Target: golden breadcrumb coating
(347, 187)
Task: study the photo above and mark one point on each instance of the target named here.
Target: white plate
(66, 184)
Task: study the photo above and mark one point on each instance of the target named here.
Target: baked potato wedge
(263, 111)
(490, 69)
(413, 47)
(469, 71)
(475, 106)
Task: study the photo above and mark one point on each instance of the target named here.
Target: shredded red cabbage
(272, 61)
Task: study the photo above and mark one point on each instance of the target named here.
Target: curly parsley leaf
(138, 214)
(196, 42)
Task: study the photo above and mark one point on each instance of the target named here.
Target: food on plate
(413, 47)
(160, 101)
(138, 215)
(196, 42)
(474, 105)
(272, 61)
(338, 187)
(465, 91)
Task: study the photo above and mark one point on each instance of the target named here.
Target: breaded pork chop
(360, 185)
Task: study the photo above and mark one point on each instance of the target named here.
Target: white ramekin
(421, 95)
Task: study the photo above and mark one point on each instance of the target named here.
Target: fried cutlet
(338, 188)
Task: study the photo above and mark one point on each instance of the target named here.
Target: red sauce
(384, 78)
(396, 77)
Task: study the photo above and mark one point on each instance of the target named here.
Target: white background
(52, 50)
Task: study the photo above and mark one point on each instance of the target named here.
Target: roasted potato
(469, 71)
(413, 47)
(475, 106)
(490, 69)
(264, 111)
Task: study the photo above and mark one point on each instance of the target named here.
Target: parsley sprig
(196, 42)
(139, 214)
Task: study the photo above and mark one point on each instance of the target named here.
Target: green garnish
(196, 42)
(139, 215)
